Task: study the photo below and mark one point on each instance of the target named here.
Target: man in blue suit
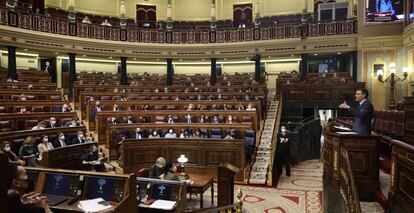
(363, 113)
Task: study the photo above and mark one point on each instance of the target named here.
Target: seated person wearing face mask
(60, 141)
(155, 134)
(79, 139)
(139, 134)
(17, 184)
(52, 123)
(157, 169)
(13, 159)
(170, 134)
(44, 146)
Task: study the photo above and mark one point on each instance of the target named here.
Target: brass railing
(347, 186)
(174, 36)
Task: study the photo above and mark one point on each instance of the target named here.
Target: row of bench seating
(390, 123)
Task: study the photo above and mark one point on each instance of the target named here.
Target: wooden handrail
(347, 185)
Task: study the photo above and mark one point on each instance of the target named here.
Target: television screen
(61, 184)
(107, 188)
(384, 10)
(323, 68)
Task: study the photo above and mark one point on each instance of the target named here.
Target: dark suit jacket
(95, 110)
(57, 125)
(60, 110)
(77, 141)
(56, 143)
(363, 118)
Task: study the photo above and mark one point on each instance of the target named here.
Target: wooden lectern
(363, 159)
(225, 184)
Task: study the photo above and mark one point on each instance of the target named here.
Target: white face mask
(171, 131)
(7, 149)
(62, 138)
(23, 109)
(283, 130)
(53, 122)
(81, 135)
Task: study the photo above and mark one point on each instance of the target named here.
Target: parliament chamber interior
(300, 106)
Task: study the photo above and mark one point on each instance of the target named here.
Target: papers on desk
(343, 128)
(92, 206)
(346, 133)
(161, 204)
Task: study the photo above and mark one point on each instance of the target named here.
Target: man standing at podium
(363, 113)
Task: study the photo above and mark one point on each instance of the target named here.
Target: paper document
(346, 133)
(342, 128)
(163, 204)
(94, 206)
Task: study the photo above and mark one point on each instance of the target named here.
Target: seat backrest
(37, 109)
(144, 172)
(5, 124)
(159, 119)
(170, 107)
(400, 123)
(247, 119)
(105, 97)
(158, 107)
(16, 144)
(55, 97)
(29, 124)
(216, 133)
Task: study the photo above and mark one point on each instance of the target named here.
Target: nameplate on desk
(342, 128)
(346, 133)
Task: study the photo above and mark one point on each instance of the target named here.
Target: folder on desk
(346, 133)
(93, 205)
(163, 204)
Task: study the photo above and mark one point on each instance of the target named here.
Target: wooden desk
(129, 131)
(204, 154)
(48, 106)
(19, 121)
(363, 158)
(102, 118)
(200, 185)
(166, 96)
(137, 105)
(69, 157)
(124, 195)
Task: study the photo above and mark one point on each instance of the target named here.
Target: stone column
(170, 72)
(72, 74)
(124, 77)
(12, 67)
(213, 75)
(304, 66)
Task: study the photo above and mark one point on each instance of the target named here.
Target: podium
(225, 184)
(363, 160)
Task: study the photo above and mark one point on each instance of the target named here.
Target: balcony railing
(202, 36)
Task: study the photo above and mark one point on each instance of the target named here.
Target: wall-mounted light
(392, 79)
